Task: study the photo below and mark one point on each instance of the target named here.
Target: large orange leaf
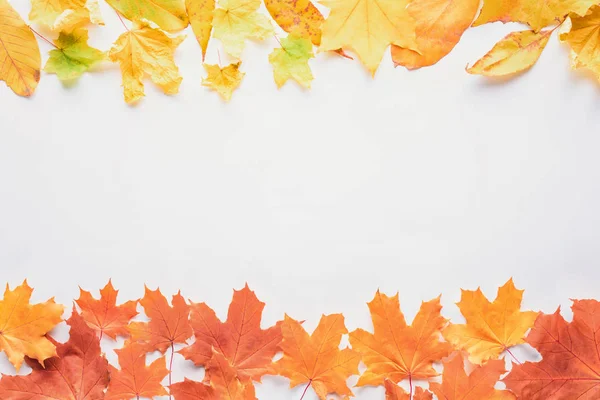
(491, 328)
(103, 315)
(168, 325)
(478, 385)
(80, 372)
(240, 339)
(135, 379)
(23, 326)
(317, 359)
(570, 366)
(395, 392)
(396, 350)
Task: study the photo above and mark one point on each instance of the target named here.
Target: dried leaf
(223, 80)
(395, 350)
(23, 326)
(491, 328)
(79, 372)
(201, 14)
(316, 359)
(61, 15)
(584, 40)
(291, 61)
(297, 17)
(103, 315)
(169, 15)
(73, 56)
(395, 392)
(19, 54)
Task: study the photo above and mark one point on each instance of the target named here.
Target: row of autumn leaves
(420, 32)
(238, 351)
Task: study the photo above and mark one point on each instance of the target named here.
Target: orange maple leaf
(570, 366)
(395, 392)
(240, 338)
(80, 371)
(396, 350)
(104, 315)
(23, 326)
(224, 384)
(168, 325)
(317, 359)
(135, 379)
(491, 328)
(478, 385)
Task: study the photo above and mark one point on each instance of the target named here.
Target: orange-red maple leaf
(104, 315)
(570, 366)
(168, 325)
(79, 372)
(224, 384)
(240, 338)
(317, 359)
(135, 379)
(395, 392)
(478, 385)
(396, 350)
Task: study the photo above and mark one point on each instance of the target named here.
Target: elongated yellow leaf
(20, 59)
(201, 14)
(516, 52)
(170, 15)
(297, 17)
(584, 40)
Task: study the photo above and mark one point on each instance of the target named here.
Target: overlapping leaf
(61, 15)
(395, 392)
(169, 15)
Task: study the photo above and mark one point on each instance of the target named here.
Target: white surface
(421, 182)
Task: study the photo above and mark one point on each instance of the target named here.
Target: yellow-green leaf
(201, 14)
(291, 61)
(516, 52)
(20, 59)
(73, 56)
(223, 80)
(169, 15)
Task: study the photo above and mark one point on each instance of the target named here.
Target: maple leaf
(237, 20)
(491, 328)
(570, 366)
(584, 40)
(240, 339)
(169, 15)
(146, 50)
(478, 385)
(135, 379)
(395, 350)
(537, 14)
(168, 325)
(60, 15)
(291, 61)
(297, 17)
(79, 372)
(73, 56)
(223, 80)
(23, 326)
(317, 359)
(368, 27)
(201, 14)
(19, 53)
(516, 52)
(439, 26)
(103, 315)
(395, 392)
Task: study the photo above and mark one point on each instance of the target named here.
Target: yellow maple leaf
(169, 15)
(60, 15)
(19, 53)
(491, 328)
(201, 14)
(145, 50)
(584, 40)
(516, 52)
(223, 80)
(368, 27)
(23, 325)
(291, 61)
(237, 20)
(536, 13)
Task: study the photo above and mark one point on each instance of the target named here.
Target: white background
(419, 182)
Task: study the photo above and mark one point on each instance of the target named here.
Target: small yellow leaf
(169, 15)
(291, 61)
(238, 20)
(297, 17)
(201, 14)
(20, 58)
(516, 52)
(146, 50)
(223, 80)
(584, 40)
(59, 15)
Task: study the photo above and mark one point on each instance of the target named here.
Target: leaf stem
(306, 389)
(43, 38)
(171, 368)
(101, 334)
(121, 19)
(410, 396)
(512, 355)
